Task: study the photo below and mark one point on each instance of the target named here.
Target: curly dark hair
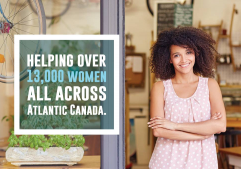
(196, 39)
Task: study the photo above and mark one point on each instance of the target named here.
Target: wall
(212, 12)
(140, 24)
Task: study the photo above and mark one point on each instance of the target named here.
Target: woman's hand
(157, 122)
(216, 116)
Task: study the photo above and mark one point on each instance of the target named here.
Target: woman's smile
(184, 65)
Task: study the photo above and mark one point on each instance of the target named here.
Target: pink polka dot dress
(175, 154)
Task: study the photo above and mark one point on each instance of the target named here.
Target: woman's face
(183, 59)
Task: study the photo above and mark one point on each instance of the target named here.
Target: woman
(186, 106)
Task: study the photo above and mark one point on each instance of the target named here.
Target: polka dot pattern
(174, 154)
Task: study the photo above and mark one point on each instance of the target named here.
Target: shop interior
(219, 18)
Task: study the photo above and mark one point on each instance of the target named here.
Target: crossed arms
(187, 131)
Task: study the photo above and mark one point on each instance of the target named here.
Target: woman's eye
(189, 52)
(176, 56)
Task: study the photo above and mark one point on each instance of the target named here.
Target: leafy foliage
(37, 141)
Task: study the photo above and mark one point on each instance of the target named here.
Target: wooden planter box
(54, 155)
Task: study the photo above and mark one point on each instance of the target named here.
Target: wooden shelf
(203, 26)
(223, 36)
(236, 45)
(231, 109)
(231, 86)
(232, 151)
(223, 63)
(228, 36)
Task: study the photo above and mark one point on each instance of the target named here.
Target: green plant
(37, 141)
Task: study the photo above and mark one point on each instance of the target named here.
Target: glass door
(113, 22)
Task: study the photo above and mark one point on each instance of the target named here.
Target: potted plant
(40, 149)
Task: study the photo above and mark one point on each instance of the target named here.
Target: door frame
(112, 19)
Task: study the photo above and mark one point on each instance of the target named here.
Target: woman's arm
(157, 109)
(177, 135)
(208, 127)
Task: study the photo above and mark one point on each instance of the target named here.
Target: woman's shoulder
(158, 85)
(212, 83)
(161, 83)
(209, 81)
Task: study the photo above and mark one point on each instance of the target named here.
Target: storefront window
(72, 17)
